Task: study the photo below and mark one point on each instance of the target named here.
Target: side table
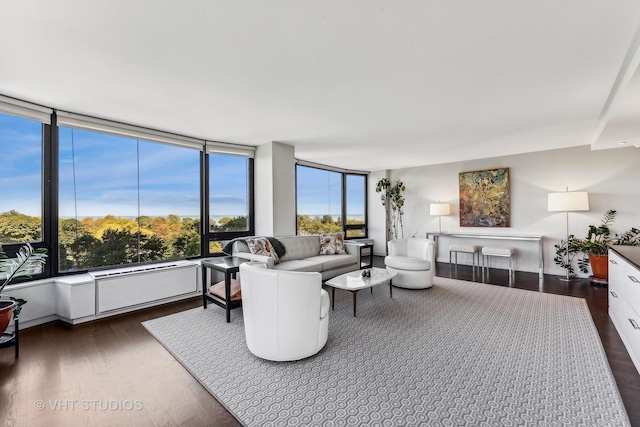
(12, 339)
(229, 266)
(363, 248)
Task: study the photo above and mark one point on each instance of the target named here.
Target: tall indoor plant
(393, 201)
(27, 259)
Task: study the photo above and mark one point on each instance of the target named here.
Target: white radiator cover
(127, 287)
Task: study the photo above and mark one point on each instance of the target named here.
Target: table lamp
(439, 209)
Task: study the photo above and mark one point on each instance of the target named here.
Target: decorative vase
(599, 266)
(6, 312)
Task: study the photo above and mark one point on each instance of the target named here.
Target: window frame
(220, 236)
(363, 226)
(343, 202)
(48, 196)
(50, 167)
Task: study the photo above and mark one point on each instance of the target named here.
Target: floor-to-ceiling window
(125, 200)
(330, 201)
(24, 132)
(356, 205)
(20, 179)
(230, 195)
(100, 194)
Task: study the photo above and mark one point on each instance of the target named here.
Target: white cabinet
(624, 300)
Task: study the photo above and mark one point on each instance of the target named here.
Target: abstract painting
(485, 198)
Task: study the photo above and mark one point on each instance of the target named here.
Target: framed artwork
(485, 198)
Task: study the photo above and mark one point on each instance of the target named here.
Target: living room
(417, 93)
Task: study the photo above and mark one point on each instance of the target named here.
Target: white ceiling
(358, 84)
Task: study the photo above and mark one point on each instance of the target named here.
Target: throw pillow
(261, 246)
(327, 244)
(340, 249)
(332, 244)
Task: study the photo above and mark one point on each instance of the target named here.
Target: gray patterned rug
(460, 353)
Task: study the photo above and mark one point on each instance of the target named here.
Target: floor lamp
(439, 209)
(569, 201)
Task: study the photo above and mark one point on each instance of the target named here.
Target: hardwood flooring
(112, 372)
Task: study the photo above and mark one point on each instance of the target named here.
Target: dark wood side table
(363, 247)
(12, 339)
(229, 266)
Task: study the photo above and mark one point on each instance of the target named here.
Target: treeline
(113, 240)
(322, 224)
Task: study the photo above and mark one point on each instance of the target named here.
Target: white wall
(376, 214)
(612, 178)
(275, 190)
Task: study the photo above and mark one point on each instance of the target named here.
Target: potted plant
(27, 259)
(595, 247)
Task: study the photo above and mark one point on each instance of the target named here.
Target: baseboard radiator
(131, 286)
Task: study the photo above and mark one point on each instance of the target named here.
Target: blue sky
(108, 167)
(320, 192)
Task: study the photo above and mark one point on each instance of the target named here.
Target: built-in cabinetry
(624, 297)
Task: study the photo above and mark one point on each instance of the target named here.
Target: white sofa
(303, 255)
(286, 313)
(413, 260)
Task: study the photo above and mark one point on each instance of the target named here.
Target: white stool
(489, 251)
(467, 249)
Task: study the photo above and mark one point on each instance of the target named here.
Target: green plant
(392, 197)
(27, 259)
(597, 242)
(566, 251)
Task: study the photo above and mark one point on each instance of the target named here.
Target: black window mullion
(50, 195)
(205, 234)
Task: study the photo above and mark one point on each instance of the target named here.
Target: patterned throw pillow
(332, 244)
(327, 244)
(340, 244)
(261, 246)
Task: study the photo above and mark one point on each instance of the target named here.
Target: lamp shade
(568, 201)
(439, 209)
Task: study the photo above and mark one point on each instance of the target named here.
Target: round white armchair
(286, 313)
(413, 260)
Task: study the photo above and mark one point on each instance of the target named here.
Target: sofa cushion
(235, 293)
(329, 262)
(239, 246)
(261, 246)
(300, 247)
(299, 265)
(406, 263)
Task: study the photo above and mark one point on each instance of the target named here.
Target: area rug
(459, 353)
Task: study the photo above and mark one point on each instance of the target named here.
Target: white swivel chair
(413, 260)
(286, 313)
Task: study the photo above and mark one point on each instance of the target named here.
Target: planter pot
(599, 266)
(6, 312)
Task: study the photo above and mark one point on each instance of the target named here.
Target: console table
(534, 239)
(229, 266)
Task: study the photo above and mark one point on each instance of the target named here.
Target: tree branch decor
(393, 201)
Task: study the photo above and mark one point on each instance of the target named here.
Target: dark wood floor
(101, 373)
